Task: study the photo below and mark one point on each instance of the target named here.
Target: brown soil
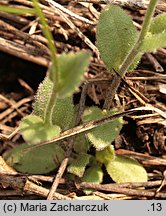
(24, 59)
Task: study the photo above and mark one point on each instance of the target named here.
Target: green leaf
(115, 35)
(72, 67)
(34, 130)
(153, 41)
(36, 161)
(63, 109)
(92, 174)
(105, 155)
(63, 112)
(42, 97)
(102, 136)
(77, 167)
(126, 169)
(81, 144)
(158, 24)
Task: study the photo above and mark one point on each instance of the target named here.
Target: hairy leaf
(92, 174)
(42, 97)
(81, 144)
(158, 24)
(72, 67)
(102, 136)
(63, 109)
(63, 112)
(36, 161)
(105, 155)
(77, 167)
(126, 169)
(34, 130)
(155, 38)
(115, 35)
(153, 41)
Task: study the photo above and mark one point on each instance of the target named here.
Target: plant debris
(24, 58)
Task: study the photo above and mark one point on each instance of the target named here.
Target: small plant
(54, 111)
(120, 45)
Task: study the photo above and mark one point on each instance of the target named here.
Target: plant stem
(20, 10)
(54, 60)
(131, 56)
(48, 35)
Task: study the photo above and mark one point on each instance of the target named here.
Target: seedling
(54, 111)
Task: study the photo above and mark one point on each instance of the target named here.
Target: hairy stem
(131, 56)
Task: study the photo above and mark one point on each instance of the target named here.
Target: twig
(129, 3)
(45, 178)
(90, 125)
(163, 183)
(86, 126)
(24, 37)
(14, 114)
(22, 52)
(57, 178)
(11, 103)
(9, 193)
(122, 190)
(15, 106)
(142, 99)
(145, 159)
(41, 191)
(81, 103)
(21, 183)
(111, 196)
(8, 137)
(80, 34)
(132, 4)
(130, 185)
(156, 78)
(13, 17)
(68, 12)
(6, 128)
(154, 62)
